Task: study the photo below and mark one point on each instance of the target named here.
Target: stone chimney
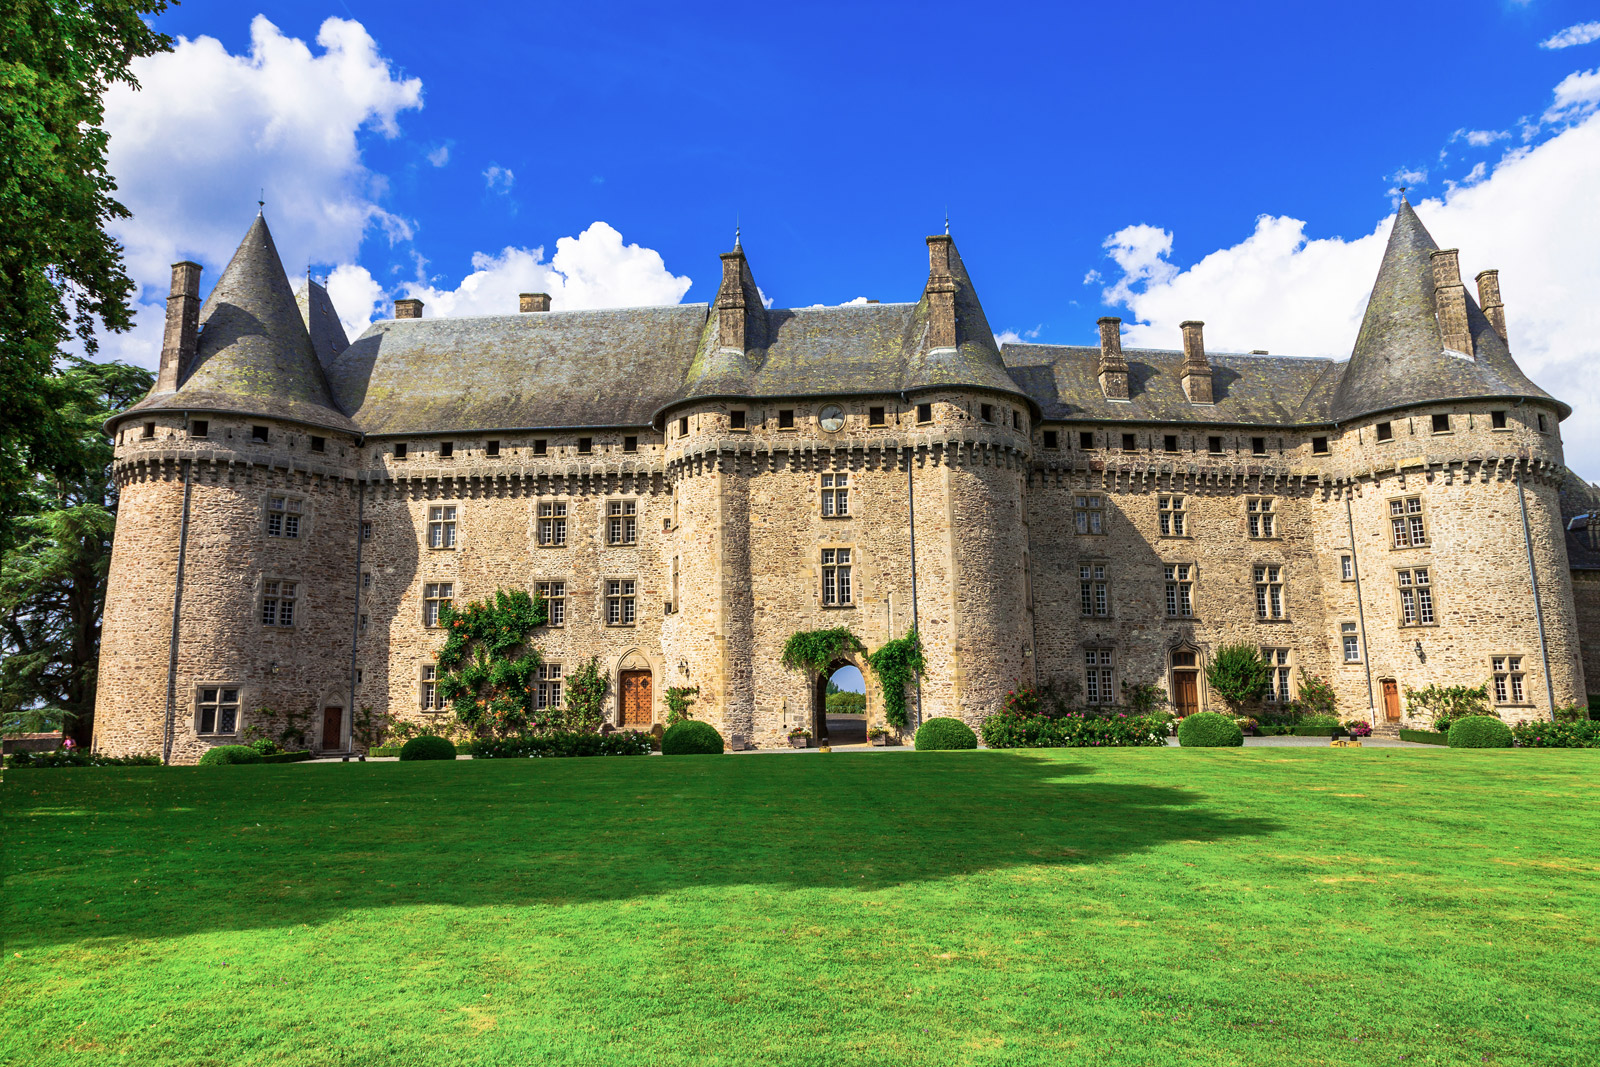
(733, 312)
(1196, 373)
(533, 302)
(1489, 300)
(183, 325)
(408, 309)
(941, 294)
(1450, 301)
(1113, 368)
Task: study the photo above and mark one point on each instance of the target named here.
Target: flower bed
(1581, 734)
(1073, 731)
(76, 757)
(562, 743)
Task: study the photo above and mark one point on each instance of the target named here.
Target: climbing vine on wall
(897, 664)
(815, 650)
(586, 694)
(679, 697)
(487, 666)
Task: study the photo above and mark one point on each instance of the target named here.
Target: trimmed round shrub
(691, 738)
(944, 733)
(1208, 729)
(226, 754)
(427, 747)
(1479, 731)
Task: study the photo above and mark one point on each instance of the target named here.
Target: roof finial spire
(261, 202)
(947, 222)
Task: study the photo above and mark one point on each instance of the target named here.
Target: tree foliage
(1238, 675)
(586, 695)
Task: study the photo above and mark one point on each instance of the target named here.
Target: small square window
(683, 426)
(736, 419)
(319, 444)
(1214, 445)
(400, 450)
(630, 444)
(924, 412)
(1497, 420)
(1085, 439)
(875, 417)
(1441, 424)
(491, 448)
(1051, 439)
(366, 579)
(786, 419)
(257, 433)
(540, 447)
(199, 428)
(150, 431)
(366, 530)
(986, 412)
(1170, 442)
(1385, 431)
(1319, 446)
(1258, 446)
(1129, 444)
(447, 449)
(585, 446)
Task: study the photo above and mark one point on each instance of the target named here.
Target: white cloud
(356, 296)
(1479, 138)
(1012, 337)
(1582, 33)
(593, 270)
(439, 156)
(1576, 97)
(498, 179)
(1533, 218)
(766, 301)
(191, 149)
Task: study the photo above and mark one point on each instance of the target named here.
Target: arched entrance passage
(839, 713)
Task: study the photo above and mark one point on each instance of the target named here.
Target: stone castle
(690, 485)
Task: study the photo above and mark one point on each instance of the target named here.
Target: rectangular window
(1129, 443)
(1405, 522)
(585, 446)
(736, 418)
(553, 522)
(363, 625)
(540, 446)
(1093, 589)
(1260, 518)
(1258, 446)
(1169, 443)
(1416, 597)
(277, 603)
(1352, 642)
(548, 692)
(431, 700)
(835, 495)
(876, 417)
(622, 522)
(786, 418)
(986, 412)
(435, 598)
(1497, 420)
(257, 433)
(555, 602)
(683, 426)
(1441, 424)
(1214, 445)
(924, 412)
(1016, 420)
(836, 577)
(447, 449)
(491, 449)
(1319, 446)
(1385, 431)
(630, 444)
(400, 450)
(150, 431)
(319, 444)
(1097, 676)
(366, 579)
(1508, 680)
(1277, 661)
(1542, 425)
(366, 529)
(1051, 439)
(442, 526)
(217, 711)
(1269, 591)
(1090, 514)
(199, 428)
(1172, 512)
(283, 516)
(619, 602)
(1180, 590)
(1085, 440)
(1347, 568)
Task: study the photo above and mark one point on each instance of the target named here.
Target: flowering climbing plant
(488, 666)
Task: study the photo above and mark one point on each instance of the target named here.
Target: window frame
(1100, 675)
(1411, 518)
(1280, 671)
(435, 597)
(292, 519)
(555, 601)
(218, 703)
(272, 591)
(1423, 603)
(549, 685)
(1179, 598)
(1052, 439)
(1094, 589)
(622, 522)
(837, 585)
(1349, 636)
(924, 413)
(441, 533)
(1172, 515)
(554, 521)
(1508, 686)
(1256, 509)
(1271, 591)
(1087, 508)
(1086, 440)
(835, 489)
(428, 699)
(621, 599)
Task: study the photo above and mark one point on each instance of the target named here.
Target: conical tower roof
(975, 359)
(1399, 358)
(254, 355)
(328, 338)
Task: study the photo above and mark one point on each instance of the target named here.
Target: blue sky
(1090, 156)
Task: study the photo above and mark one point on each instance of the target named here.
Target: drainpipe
(911, 514)
(355, 623)
(1538, 611)
(1361, 614)
(177, 610)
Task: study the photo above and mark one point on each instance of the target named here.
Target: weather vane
(262, 202)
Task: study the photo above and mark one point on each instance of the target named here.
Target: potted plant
(799, 737)
(878, 736)
(1358, 728)
(1248, 725)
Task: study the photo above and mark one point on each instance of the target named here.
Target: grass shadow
(161, 852)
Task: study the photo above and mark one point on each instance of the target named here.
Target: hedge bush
(226, 754)
(1073, 731)
(562, 743)
(1479, 731)
(75, 757)
(691, 738)
(945, 734)
(1424, 737)
(1582, 734)
(427, 747)
(286, 757)
(1207, 729)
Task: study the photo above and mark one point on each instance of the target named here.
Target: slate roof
(322, 322)
(1579, 500)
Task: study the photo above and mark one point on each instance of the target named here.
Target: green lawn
(1124, 906)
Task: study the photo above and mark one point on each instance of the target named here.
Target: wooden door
(1391, 700)
(332, 728)
(637, 710)
(1185, 692)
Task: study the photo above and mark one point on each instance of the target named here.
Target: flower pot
(879, 741)
(799, 742)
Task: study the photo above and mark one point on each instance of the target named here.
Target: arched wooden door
(638, 700)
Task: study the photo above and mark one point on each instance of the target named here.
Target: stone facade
(1047, 533)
